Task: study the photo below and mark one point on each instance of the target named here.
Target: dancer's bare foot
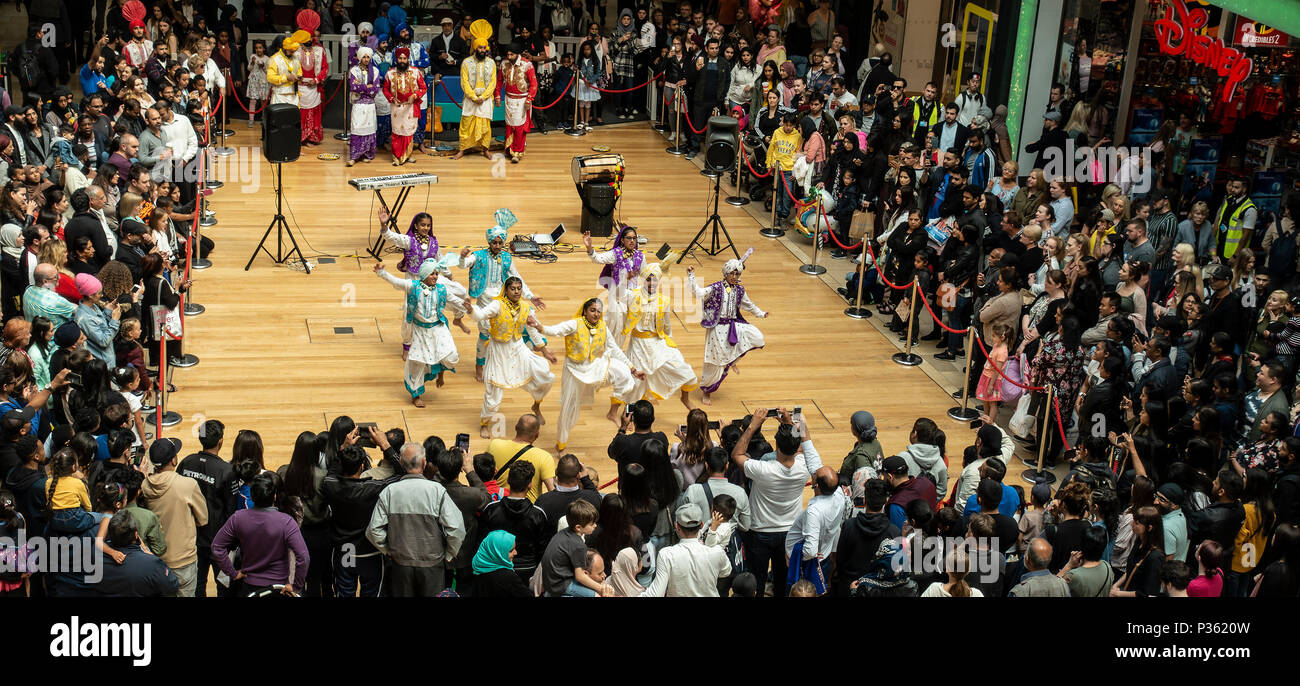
(405, 352)
(487, 154)
(440, 381)
(460, 322)
(478, 373)
(537, 411)
(417, 401)
(613, 414)
(735, 368)
(459, 154)
(484, 432)
(686, 400)
(706, 399)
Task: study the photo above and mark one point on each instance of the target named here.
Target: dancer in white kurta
(488, 269)
(432, 350)
(729, 336)
(651, 348)
(509, 363)
(622, 272)
(591, 359)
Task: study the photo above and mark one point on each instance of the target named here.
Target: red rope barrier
(557, 100)
(625, 90)
(855, 246)
(335, 95)
(988, 360)
(448, 94)
(938, 322)
(881, 271)
(611, 482)
(1060, 426)
(245, 109)
(687, 115)
(745, 156)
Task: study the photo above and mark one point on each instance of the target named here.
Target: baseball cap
(133, 225)
(1042, 491)
(1108, 215)
(1172, 492)
(894, 464)
(1053, 115)
(25, 413)
(868, 99)
(164, 450)
(689, 516)
(446, 20)
(1219, 272)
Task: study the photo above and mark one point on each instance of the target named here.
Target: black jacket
(554, 503)
(351, 503)
(502, 583)
(458, 51)
(1286, 494)
(1103, 399)
(696, 80)
(1162, 379)
(1219, 521)
(220, 488)
(1054, 139)
(141, 575)
(87, 224)
(526, 521)
(860, 538)
(469, 500)
(28, 487)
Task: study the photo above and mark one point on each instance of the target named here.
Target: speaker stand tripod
(281, 227)
(715, 222)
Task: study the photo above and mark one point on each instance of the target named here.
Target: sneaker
(945, 355)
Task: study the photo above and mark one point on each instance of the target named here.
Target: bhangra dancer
(729, 336)
(364, 83)
(591, 359)
(622, 272)
(478, 80)
(404, 89)
(509, 362)
(651, 348)
(402, 37)
(421, 247)
(315, 70)
(488, 270)
(283, 70)
(519, 81)
(432, 350)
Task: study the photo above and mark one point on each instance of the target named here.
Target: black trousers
(417, 582)
(320, 571)
(206, 563)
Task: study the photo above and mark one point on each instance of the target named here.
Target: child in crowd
(62, 148)
(109, 498)
(905, 312)
(566, 564)
(126, 380)
(589, 71)
(721, 526)
(989, 388)
(485, 467)
(1031, 522)
(67, 502)
(131, 354)
(258, 89)
(146, 522)
(848, 199)
(745, 585)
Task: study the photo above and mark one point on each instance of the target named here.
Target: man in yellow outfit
(283, 71)
(478, 80)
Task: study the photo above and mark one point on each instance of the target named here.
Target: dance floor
(283, 352)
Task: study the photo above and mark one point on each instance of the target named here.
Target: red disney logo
(1179, 36)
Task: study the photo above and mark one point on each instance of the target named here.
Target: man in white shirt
(776, 497)
(702, 494)
(184, 144)
(840, 97)
(818, 526)
(971, 102)
(688, 569)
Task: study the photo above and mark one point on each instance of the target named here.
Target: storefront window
(1094, 43)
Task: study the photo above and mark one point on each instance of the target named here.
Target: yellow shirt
(784, 147)
(502, 450)
(71, 494)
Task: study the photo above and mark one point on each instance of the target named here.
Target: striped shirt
(44, 302)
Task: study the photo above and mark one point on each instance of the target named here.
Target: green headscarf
(494, 553)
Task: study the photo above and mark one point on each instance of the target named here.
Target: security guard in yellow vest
(1235, 220)
(926, 113)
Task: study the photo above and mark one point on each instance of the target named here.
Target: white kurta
(364, 118)
(719, 353)
(310, 59)
(666, 370)
(510, 365)
(481, 72)
(615, 310)
(581, 379)
(284, 93)
(430, 347)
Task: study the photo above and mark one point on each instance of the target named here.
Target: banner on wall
(1266, 191)
(1252, 34)
(888, 22)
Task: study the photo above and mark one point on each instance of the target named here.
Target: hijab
(788, 74)
(11, 240)
(494, 553)
(619, 29)
(626, 565)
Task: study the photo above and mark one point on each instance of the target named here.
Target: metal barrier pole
(965, 413)
(907, 358)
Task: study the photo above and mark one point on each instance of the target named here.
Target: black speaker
(720, 144)
(282, 133)
(598, 203)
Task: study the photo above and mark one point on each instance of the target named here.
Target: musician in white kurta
(432, 350)
(650, 347)
(729, 336)
(591, 359)
(509, 363)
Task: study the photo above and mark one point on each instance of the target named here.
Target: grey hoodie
(925, 458)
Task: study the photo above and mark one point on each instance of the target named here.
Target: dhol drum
(605, 167)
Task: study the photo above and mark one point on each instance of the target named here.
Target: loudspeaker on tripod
(721, 144)
(282, 133)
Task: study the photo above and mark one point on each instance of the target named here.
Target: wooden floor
(271, 359)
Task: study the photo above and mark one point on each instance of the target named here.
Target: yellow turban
(289, 44)
(481, 30)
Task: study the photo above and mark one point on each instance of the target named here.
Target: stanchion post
(575, 130)
(773, 231)
(162, 417)
(907, 358)
(660, 126)
(1038, 473)
(676, 148)
(222, 150)
(815, 269)
(206, 217)
(857, 310)
(739, 200)
(964, 413)
(346, 134)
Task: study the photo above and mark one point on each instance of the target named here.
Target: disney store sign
(1178, 34)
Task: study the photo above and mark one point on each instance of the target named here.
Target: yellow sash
(510, 323)
(634, 310)
(587, 343)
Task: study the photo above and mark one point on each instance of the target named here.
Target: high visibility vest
(1233, 227)
(933, 119)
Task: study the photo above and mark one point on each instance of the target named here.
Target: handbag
(1014, 371)
(1023, 421)
(864, 224)
(165, 319)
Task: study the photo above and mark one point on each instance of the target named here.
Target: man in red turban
(404, 87)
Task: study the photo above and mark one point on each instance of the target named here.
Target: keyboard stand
(376, 251)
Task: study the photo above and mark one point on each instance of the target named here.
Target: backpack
(28, 68)
(735, 551)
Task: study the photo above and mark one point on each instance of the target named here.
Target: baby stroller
(756, 156)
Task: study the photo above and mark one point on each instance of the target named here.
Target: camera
(363, 434)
